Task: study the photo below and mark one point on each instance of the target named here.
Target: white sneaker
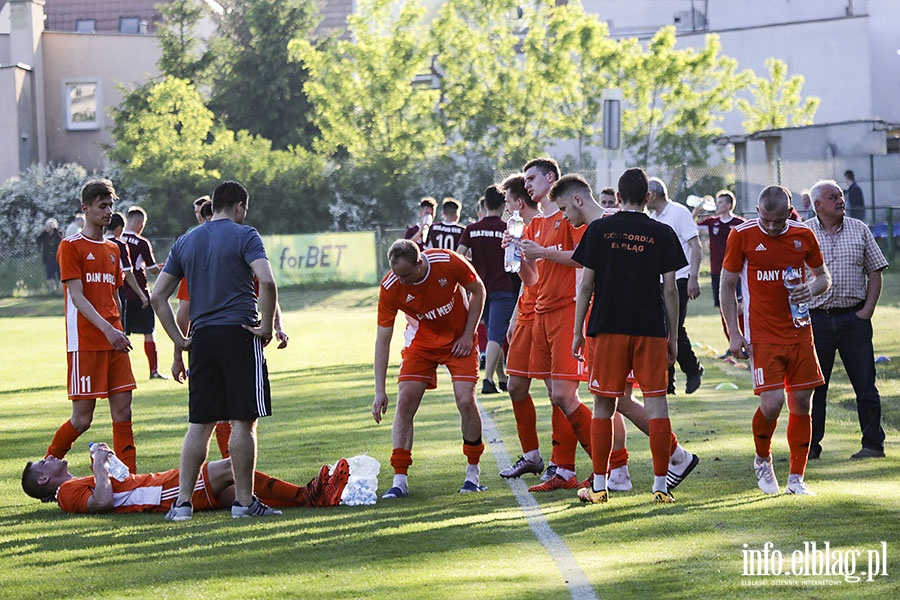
(619, 480)
(765, 476)
(798, 486)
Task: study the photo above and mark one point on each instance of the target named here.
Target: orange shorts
(551, 349)
(97, 374)
(617, 357)
(518, 358)
(182, 293)
(589, 352)
(420, 364)
(788, 366)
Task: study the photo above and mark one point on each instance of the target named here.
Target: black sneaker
(693, 382)
(502, 386)
(488, 387)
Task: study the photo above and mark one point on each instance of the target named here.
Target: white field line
(579, 586)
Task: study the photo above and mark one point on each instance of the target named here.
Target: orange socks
(660, 444)
(601, 444)
(401, 459)
(278, 493)
(763, 429)
(564, 440)
(150, 351)
(223, 435)
(618, 458)
(63, 439)
(472, 450)
(123, 444)
(799, 434)
(581, 426)
(526, 423)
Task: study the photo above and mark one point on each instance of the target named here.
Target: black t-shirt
(628, 251)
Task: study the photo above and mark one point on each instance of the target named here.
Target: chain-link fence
(22, 273)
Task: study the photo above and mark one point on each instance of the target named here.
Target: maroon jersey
(483, 239)
(718, 235)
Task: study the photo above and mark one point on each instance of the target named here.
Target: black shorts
(137, 319)
(229, 379)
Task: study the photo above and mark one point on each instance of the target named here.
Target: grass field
(437, 543)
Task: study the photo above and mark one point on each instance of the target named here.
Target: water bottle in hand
(800, 310)
(117, 469)
(512, 261)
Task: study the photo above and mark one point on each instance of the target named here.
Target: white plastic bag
(362, 487)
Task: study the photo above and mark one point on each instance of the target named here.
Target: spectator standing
(482, 239)
(842, 316)
(679, 218)
(48, 241)
(854, 196)
(76, 225)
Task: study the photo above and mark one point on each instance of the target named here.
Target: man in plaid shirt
(841, 317)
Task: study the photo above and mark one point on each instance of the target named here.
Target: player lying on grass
(49, 479)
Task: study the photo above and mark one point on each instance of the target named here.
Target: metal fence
(22, 274)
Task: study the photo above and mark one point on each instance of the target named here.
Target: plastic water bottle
(512, 261)
(117, 469)
(799, 311)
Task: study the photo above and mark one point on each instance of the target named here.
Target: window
(82, 104)
(86, 25)
(129, 25)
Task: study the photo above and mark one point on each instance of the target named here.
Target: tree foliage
(258, 87)
(676, 99)
(777, 100)
(184, 54)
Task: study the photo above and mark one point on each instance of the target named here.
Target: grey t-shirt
(215, 259)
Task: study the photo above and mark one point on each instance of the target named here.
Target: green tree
(676, 99)
(185, 54)
(164, 147)
(258, 87)
(777, 100)
(372, 122)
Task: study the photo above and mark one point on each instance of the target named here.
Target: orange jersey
(436, 308)
(97, 265)
(761, 260)
(556, 282)
(183, 293)
(149, 492)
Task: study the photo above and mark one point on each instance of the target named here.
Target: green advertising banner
(322, 257)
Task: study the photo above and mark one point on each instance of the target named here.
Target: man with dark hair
(855, 198)
(138, 315)
(678, 217)
(607, 198)
(446, 234)
(97, 348)
(719, 226)
(430, 288)
(50, 480)
(482, 239)
(113, 234)
(633, 322)
(48, 241)
(782, 354)
(518, 359)
(230, 327)
(842, 316)
(547, 248)
(419, 231)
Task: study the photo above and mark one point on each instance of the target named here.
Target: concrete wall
(9, 123)
(112, 59)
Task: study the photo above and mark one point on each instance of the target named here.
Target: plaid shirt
(850, 255)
